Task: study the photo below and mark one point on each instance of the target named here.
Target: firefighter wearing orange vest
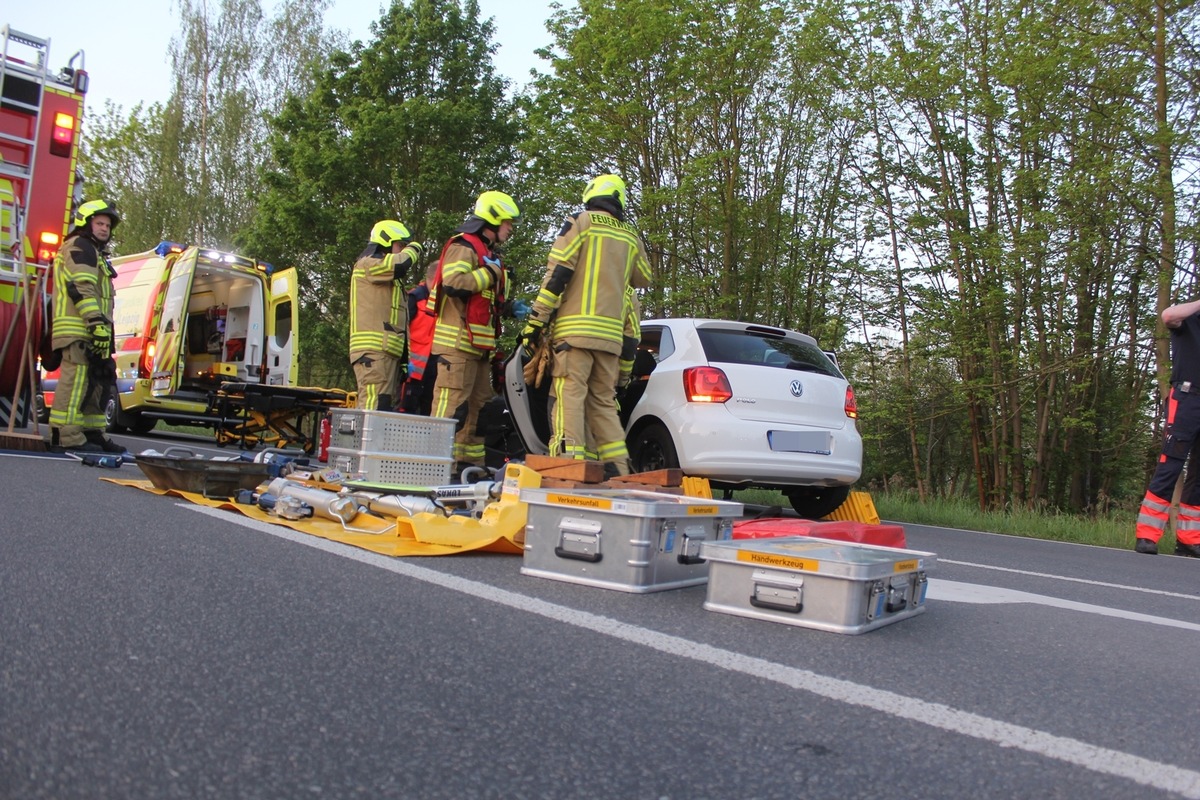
(1183, 426)
(379, 313)
(416, 395)
(595, 260)
(467, 298)
(83, 331)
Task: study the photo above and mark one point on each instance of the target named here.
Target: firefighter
(1183, 426)
(83, 331)
(595, 260)
(417, 392)
(379, 313)
(468, 298)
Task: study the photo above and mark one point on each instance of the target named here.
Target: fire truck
(40, 115)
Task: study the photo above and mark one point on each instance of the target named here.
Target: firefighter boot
(1190, 550)
(106, 445)
(56, 445)
(1146, 546)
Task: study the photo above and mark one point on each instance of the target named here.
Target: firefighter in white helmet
(379, 313)
(83, 332)
(596, 259)
(468, 299)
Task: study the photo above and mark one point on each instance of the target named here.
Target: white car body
(788, 423)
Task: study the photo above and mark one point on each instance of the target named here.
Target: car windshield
(765, 349)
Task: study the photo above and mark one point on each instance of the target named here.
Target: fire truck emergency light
(47, 246)
(64, 134)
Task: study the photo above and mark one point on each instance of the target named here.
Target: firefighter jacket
(83, 290)
(594, 260)
(467, 296)
(378, 306)
(420, 331)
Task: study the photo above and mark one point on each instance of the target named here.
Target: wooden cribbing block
(658, 477)
(572, 469)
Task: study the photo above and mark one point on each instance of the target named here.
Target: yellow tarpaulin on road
(499, 529)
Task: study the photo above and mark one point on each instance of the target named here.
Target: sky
(125, 43)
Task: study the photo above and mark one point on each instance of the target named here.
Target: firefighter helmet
(84, 214)
(389, 230)
(605, 186)
(496, 207)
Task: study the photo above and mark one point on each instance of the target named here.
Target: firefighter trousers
(377, 377)
(583, 406)
(78, 402)
(462, 387)
(1182, 429)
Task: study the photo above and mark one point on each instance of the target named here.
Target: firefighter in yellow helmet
(83, 331)
(468, 299)
(379, 313)
(596, 259)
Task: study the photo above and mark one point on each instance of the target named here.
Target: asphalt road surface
(150, 648)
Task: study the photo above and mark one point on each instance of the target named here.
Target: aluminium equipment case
(816, 583)
(387, 447)
(627, 540)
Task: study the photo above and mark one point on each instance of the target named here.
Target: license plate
(818, 442)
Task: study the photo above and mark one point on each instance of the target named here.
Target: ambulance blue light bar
(166, 248)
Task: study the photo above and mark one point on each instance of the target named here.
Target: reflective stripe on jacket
(83, 290)
(604, 256)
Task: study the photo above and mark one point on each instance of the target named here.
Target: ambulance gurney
(181, 469)
(250, 414)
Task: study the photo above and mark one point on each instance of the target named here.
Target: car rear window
(764, 349)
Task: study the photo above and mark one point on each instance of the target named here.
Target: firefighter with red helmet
(596, 259)
(83, 331)
(468, 299)
(379, 313)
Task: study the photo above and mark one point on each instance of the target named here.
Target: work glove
(517, 309)
(530, 336)
(493, 266)
(101, 343)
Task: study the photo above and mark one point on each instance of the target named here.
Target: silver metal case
(816, 583)
(627, 540)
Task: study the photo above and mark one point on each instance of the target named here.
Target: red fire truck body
(40, 116)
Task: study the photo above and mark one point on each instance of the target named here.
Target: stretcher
(250, 414)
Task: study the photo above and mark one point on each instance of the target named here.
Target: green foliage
(412, 125)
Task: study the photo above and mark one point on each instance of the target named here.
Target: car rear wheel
(651, 449)
(814, 502)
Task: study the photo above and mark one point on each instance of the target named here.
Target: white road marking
(1144, 771)
(956, 592)
(1068, 579)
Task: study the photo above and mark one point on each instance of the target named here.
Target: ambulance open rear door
(282, 328)
(169, 356)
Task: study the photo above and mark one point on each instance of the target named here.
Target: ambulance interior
(224, 329)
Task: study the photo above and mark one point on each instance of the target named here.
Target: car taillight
(64, 134)
(47, 246)
(851, 403)
(706, 385)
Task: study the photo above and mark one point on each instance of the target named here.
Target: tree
(412, 125)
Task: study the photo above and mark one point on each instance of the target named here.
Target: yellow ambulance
(187, 319)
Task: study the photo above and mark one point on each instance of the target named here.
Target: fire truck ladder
(22, 87)
(23, 77)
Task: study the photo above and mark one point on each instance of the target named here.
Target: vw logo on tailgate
(797, 388)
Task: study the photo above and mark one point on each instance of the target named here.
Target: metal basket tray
(217, 480)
